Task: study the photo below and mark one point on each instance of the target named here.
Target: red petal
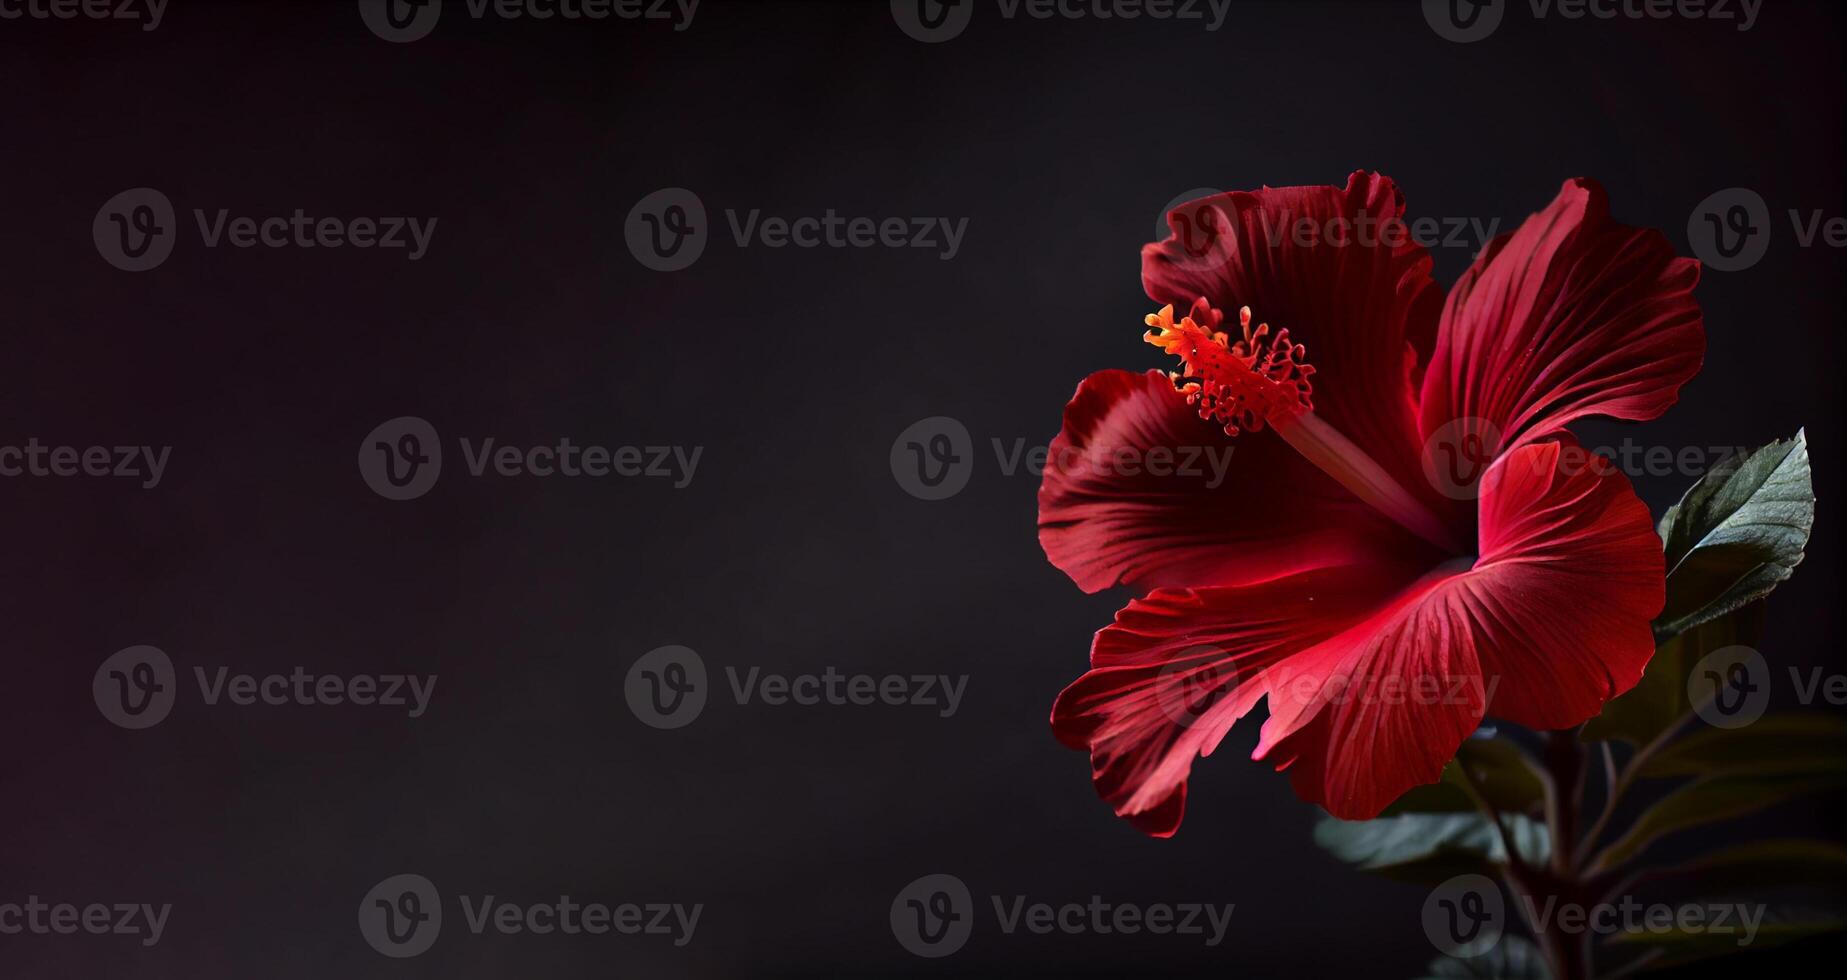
(1266, 513)
(1177, 668)
(1571, 557)
(1356, 292)
(1367, 715)
(1551, 622)
(1571, 315)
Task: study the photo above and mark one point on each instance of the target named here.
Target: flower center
(1262, 378)
(1237, 384)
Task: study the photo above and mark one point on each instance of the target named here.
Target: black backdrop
(793, 548)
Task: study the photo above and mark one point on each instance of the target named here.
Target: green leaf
(1506, 779)
(1788, 743)
(1430, 847)
(1778, 927)
(1711, 800)
(1769, 863)
(1659, 700)
(1503, 773)
(1736, 534)
(1513, 958)
(1443, 796)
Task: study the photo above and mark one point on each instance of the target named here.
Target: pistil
(1263, 379)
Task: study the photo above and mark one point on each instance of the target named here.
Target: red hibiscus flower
(1406, 538)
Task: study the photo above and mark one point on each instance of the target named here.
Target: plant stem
(1590, 860)
(1564, 759)
(1564, 762)
(1516, 862)
(1569, 956)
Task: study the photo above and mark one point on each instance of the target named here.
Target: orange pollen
(1238, 384)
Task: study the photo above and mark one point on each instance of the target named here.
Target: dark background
(794, 548)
